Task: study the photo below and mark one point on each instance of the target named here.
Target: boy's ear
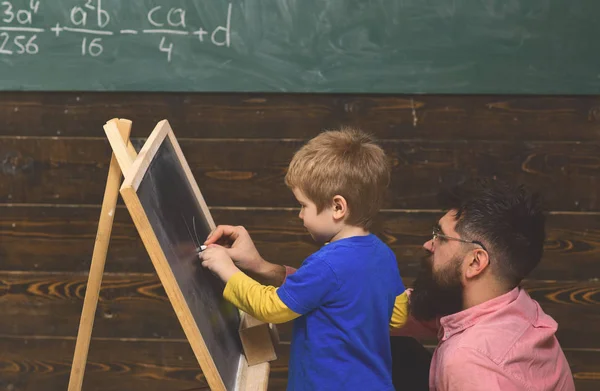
(340, 207)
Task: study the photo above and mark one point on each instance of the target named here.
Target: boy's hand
(216, 259)
(242, 250)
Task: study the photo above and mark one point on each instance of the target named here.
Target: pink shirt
(506, 343)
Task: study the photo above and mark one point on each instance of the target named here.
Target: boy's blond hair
(344, 162)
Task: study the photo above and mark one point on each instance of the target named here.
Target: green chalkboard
(379, 46)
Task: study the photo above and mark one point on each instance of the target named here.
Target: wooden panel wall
(54, 160)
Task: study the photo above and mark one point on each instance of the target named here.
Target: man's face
(438, 289)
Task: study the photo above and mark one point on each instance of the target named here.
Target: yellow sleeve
(400, 314)
(260, 301)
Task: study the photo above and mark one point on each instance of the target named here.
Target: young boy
(343, 295)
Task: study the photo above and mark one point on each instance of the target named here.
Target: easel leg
(109, 203)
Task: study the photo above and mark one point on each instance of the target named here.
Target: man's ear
(340, 207)
(477, 262)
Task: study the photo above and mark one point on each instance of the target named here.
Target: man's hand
(216, 259)
(242, 250)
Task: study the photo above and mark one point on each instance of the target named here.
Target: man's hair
(344, 162)
(506, 218)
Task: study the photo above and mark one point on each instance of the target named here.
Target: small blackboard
(173, 220)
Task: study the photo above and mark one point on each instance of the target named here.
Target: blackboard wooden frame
(254, 377)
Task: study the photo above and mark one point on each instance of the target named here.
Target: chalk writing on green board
(91, 21)
(317, 46)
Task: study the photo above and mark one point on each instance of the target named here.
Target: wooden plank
(585, 366)
(135, 306)
(250, 172)
(43, 364)
(574, 306)
(35, 364)
(61, 239)
(430, 117)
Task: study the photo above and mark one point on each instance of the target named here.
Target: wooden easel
(107, 213)
(257, 338)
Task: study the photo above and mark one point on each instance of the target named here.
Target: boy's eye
(442, 239)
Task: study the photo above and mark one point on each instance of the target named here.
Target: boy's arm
(288, 272)
(269, 273)
(242, 251)
(303, 291)
(402, 323)
(413, 327)
(400, 313)
(262, 302)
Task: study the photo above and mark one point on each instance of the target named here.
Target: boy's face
(321, 226)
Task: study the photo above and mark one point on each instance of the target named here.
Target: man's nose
(428, 245)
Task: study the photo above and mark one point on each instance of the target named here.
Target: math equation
(93, 22)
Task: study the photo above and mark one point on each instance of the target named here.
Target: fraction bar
(87, 31)
(28, 29)
(163, 31)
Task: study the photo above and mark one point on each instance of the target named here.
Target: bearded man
(491, 334)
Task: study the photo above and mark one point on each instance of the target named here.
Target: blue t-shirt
(345, 293)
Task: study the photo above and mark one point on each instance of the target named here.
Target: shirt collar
(456, 323)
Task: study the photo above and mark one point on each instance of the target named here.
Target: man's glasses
(437, 234)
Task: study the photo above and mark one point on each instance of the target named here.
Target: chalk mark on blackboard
(25, 29)
(165, 31)
(197, 245)
(87, 31)
(196, 232)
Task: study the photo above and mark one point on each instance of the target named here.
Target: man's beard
(437, 295)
